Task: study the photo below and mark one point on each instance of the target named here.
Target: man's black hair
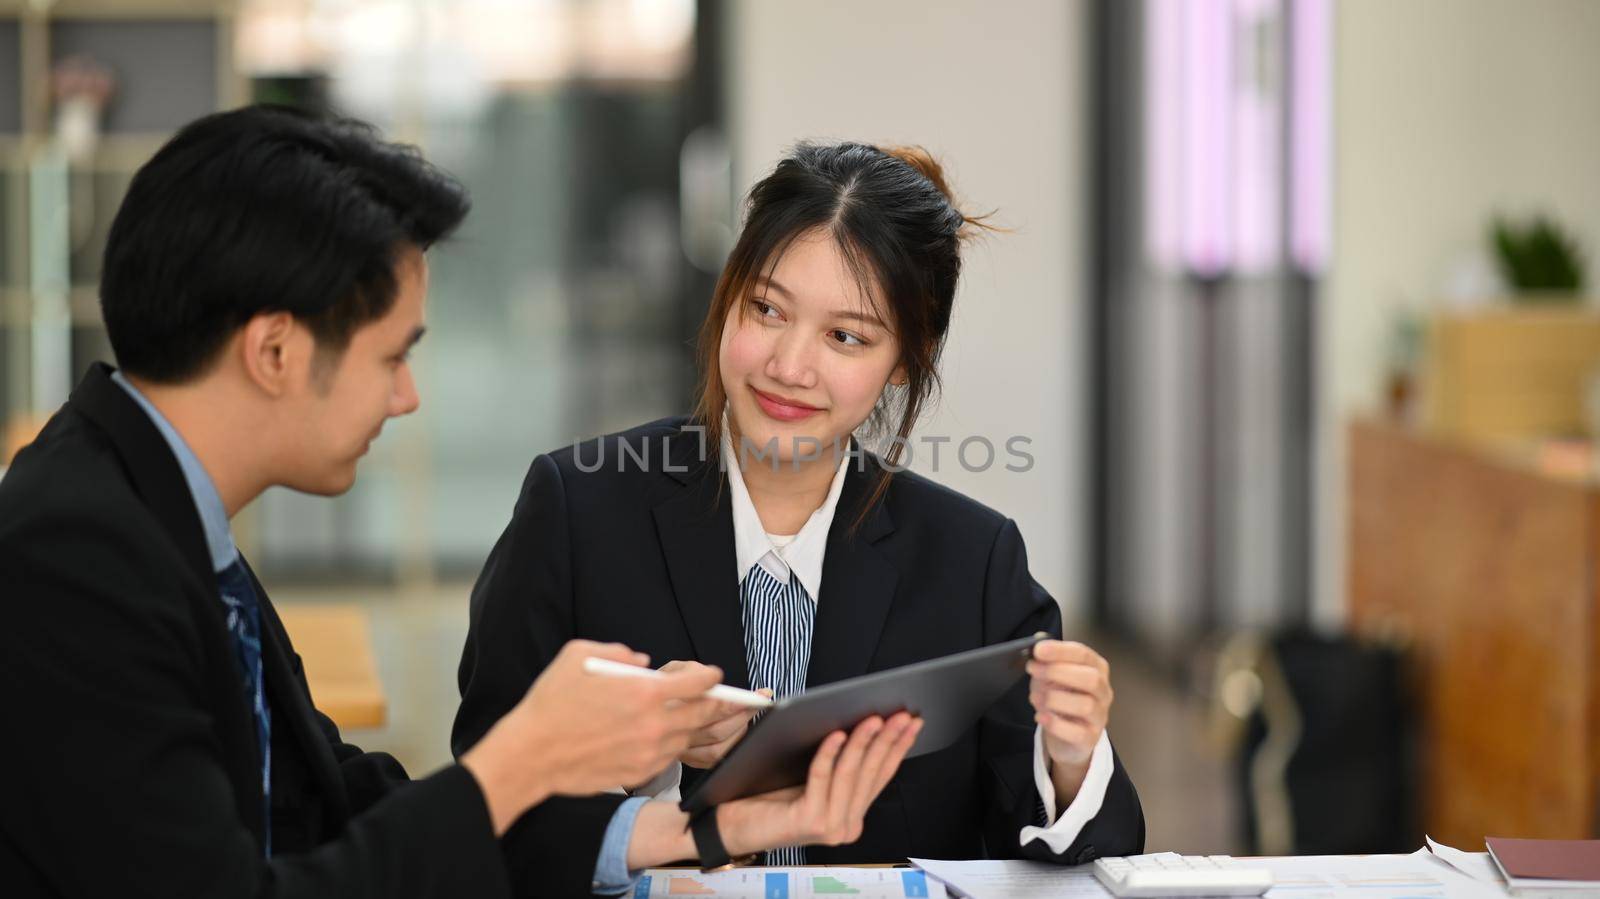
(264, 209)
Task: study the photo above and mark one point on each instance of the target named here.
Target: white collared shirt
(779, 554)
(803, 554)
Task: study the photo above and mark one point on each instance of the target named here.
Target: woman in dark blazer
(757, 535)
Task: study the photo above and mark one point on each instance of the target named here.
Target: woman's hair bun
(925, 165)
(928, 167)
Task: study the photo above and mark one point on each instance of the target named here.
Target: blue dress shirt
(611, 874)
(213, 517)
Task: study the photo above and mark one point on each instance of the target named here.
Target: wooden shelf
(84, 304)
(119, 9)
(149, 95)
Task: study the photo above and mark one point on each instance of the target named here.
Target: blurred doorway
(589, 134)
(1212, 141)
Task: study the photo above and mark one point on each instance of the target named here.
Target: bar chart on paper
(791, 883)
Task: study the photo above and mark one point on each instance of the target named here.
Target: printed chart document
(791, 883)
(1418, 876)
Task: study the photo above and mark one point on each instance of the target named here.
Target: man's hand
(575, 733)
(709, 744)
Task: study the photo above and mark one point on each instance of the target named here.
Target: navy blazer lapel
(150, 464)
(292, 706)
(858, 582)
(695, 526)
(158, 479)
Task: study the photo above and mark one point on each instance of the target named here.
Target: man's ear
(271, 351)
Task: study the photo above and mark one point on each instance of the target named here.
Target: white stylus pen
(721, 692)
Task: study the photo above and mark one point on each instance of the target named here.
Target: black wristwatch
(708, 844)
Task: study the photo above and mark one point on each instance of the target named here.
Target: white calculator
(1171, 874)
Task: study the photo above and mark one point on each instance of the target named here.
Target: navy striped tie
(244, 623)
(778, 621)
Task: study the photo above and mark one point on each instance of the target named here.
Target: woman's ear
(269, 351)
(898, 377)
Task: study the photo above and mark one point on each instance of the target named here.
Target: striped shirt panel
(778, 622)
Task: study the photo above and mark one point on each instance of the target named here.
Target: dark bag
(1324, 761)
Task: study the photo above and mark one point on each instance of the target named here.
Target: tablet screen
(949, 693)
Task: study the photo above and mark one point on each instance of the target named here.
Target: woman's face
(806, 357)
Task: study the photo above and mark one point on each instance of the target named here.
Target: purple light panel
(1214, 159)
(1207, 141)
(1310, 239)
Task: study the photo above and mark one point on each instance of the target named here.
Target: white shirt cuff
(1060, 835)
(663, 786)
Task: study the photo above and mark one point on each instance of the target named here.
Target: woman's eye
(846, 338)
(765, 309)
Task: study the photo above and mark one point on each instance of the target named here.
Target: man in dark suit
(264, 281)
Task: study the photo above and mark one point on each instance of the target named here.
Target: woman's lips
(783, 410)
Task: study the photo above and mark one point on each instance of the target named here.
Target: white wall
(1446, 111)
(997, 90)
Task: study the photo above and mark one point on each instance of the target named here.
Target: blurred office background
(1311, 435)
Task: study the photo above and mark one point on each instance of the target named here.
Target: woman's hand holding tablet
(846, 775)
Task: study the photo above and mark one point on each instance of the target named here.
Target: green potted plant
(1539, 261)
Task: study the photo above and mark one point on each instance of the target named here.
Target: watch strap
(708, 844)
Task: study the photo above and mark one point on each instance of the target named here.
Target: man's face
(338, 408)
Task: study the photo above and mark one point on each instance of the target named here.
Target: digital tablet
(950, 694)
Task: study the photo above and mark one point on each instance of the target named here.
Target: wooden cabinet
(1488, 569)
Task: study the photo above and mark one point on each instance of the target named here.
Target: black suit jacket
(130, 766)
(644, 556)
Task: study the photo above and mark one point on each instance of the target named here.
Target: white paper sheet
(1476, 865)
(1419, 876)
(791, 883)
